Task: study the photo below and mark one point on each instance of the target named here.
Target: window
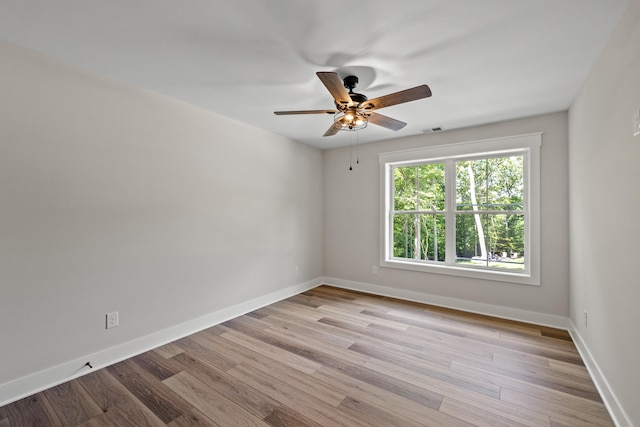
(468, 209)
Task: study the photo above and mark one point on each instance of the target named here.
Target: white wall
(605, 206)
(117, 199)
(352, 215)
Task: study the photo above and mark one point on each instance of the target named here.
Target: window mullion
(391, 206)
(449, 207)
(526, 207)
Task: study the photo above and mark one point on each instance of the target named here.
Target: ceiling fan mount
(350, 83)
(354, 110)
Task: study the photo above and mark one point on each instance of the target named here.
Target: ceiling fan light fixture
(350, 120)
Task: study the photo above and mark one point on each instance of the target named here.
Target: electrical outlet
(296, 270)
(374, 270)
(112, 320)
(636, 123)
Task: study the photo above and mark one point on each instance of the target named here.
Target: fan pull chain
(357, 147)
(350, 144)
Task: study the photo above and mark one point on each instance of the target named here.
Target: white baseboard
(50, 377)
(612, 403)
(535, 318)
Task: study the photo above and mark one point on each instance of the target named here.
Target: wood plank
(121, 407)
(155, 364)
(348, 318)
(495, 405)
(71, 403)
(193, 418)
(204, 347)
(588, 407)
(576, 381)
(417, 411)
(543, 377)
(288, 308)
(293, 360)
(427, 383)
(375, 415)
(428, 346)
(477, 416)
(314, 349)
(168, 350)
(149, 391)
(412, 321)
(570, 368)
(555, 333)
(101, 420)
(211, 403)
(287, 417)
(318, 411)
(252, 400)
(423, 351)
(307, 300)
(269, 366)
(324, 292)
(429, 371)
(33, 410)
(318, 331)
(571, 415)
(393, 384)
(451, 346)
(532, 345)
(328, 394)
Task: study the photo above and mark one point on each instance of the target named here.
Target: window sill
(523, 278)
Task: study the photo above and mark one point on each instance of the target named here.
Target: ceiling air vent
(432, 130)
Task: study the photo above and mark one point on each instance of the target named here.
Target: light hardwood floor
(331, 357)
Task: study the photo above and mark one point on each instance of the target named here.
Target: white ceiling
(485, 61)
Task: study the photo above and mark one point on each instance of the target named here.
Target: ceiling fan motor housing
(350, 83)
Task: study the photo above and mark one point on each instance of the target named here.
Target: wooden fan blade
(385, 122)
(284, 113)
(332, 130)
(335, 87)
(401, 97)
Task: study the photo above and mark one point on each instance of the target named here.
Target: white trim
(616, 411)
(462, 148)
(481, 273)
(529, 143)
(541, 319)
(26, 386)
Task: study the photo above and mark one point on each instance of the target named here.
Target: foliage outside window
(463, 212)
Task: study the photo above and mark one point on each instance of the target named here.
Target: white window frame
(528, 145)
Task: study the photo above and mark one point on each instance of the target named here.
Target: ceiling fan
(354, 110)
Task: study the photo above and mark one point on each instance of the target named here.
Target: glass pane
(419, 187)
(405, 195)
(496, 183)
(490, 240)
(431, 189)
(419, 236)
